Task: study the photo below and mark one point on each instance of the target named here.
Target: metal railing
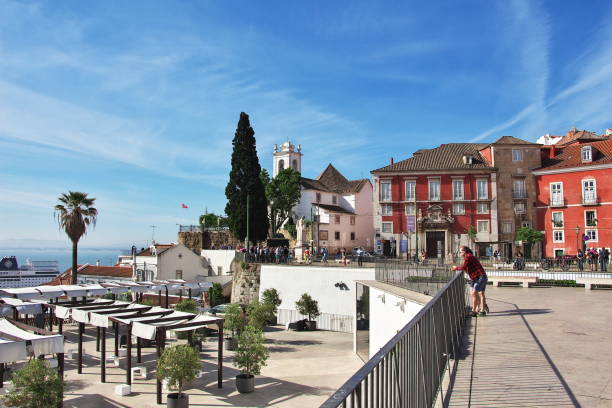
(590, 199)
(423, 278)
(408, 370)
(519, 194)
(556, 202)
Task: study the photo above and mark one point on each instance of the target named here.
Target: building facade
(436, 201)
(574, 201)
(340, 209)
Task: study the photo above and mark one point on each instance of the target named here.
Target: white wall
(191, 264)
(219, 258)
(387, 318)
(292, 281)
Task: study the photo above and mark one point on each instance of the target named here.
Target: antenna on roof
(153, 234)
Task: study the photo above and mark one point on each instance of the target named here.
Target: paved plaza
(539, 347)
(304, 368)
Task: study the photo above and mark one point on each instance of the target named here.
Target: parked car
(219, 310)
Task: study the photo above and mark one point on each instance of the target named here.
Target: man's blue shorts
(480, 284)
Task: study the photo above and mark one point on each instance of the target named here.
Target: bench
(72, 352)
(348, 261)
(112, 359)
(122, 390)
(589, 282)
(523, 280)
(142, 371)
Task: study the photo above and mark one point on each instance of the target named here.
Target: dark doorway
(527, 248)
(432, 238)
(386, 247)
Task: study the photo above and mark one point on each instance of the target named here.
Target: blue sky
(137, 102)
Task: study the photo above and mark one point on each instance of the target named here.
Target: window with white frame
(518, 188)
(589, 194)
(517, 155)
(483, 225)
(386, 209)
(318, 197)
(482, 208)
(458, 189)
(519, 208)
(335, 200)
(587, 153)
(410, 190)
(458, 208)
(507, 227)
(385, 191)
(482, 189)
(387, 227)
(179, 274)
(410, 209)
(590, 219)
(592, 234)
(558, 236)
(434, 189)
(557, 219)
(352, 220)
(556, 193)
(337, 219)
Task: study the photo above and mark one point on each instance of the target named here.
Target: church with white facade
(340, 209)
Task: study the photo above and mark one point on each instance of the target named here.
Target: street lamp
(577, 229)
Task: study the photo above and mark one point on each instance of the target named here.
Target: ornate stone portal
(435, 220)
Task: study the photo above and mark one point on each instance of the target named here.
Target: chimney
(552, 151)
(98, 262)
(608, 132)
(392, 160)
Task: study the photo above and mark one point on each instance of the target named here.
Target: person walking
(478, 280)
(580, 259)
(360, 256)
(324, 250)
(343, 253)
(602, 260)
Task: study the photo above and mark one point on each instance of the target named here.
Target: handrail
(414, 359)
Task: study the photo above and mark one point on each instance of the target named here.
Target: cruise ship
(33, 273)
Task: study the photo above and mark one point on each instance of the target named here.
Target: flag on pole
(184, 206)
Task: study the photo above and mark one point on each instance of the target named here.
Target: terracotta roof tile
(570, 156)
(575, 135)
(512, 140)
(331, 180)
(159, 248)
(444, 157)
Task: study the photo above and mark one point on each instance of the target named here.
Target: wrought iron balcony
(590, 199)
(557, 202)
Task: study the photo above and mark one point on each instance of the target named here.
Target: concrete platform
(303, 370)
(539, 347)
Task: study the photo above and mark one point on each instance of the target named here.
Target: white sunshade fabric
(96, 290)
(115, 288)
(40, 344)
(24, 307)
(73, 290)
(49, 292)
(204, 320)
(149, 330)
(21, 293)
(12, 350)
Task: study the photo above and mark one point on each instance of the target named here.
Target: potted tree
(234, 323)
(178, 365)
(250, 356)
(260, 313)
(307, 306)
(271, 296)
(36, 385)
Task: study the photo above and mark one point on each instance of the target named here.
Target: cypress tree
(244, 181)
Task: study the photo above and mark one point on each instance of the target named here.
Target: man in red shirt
(478, 280)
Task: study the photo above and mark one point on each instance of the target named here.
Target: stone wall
(245, 282)
(192, 240)
(196, 240)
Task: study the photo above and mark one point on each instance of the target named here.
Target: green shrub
(179, 365)
(251, 353)
(215, 294)
(259, 313)
(36, 385)
(272, 296)
(187, 306)
(234, 319)
(307, 306)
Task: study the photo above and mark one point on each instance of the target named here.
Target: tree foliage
(283, 193)
(187, 306)
(251, 354)
(75, 214)
(215, 294)
(245, 185)
(529, 235)
(36, 385)
(307, 306)
(272, 296)
(234, 319)
(259, 313)
(178, 364)
(212, 220)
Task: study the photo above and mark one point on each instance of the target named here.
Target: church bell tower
(286, 157)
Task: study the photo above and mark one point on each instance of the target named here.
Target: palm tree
(74, 215)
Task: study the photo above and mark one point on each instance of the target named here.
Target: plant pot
(230, 343)
(273, 321)
(174, 401)
(311, 325)
(245, 383)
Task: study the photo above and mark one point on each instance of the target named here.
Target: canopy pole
(61, 325)
(220, 355)
(116, 329)
(60, 365)
(189, 292)
(129, 355)
(1, 375)
(158, 341)
(180, 294)
(50, 320)
(103, 355)
(97, 339)
(166, 297)
(138, 350)
(159, 301)
(81, 330)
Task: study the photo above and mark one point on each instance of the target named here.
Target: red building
(430, 200)
(574, 199)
